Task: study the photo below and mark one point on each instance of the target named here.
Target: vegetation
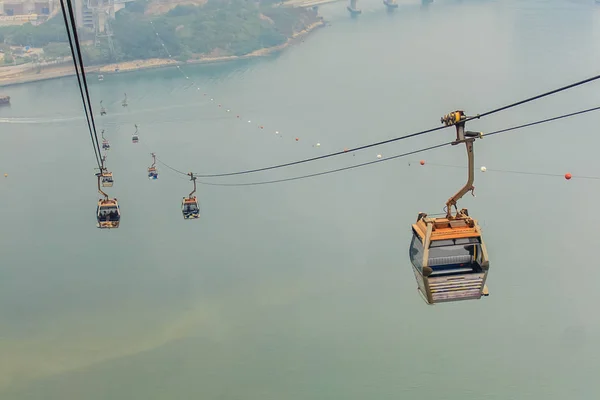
(217, 28)
(52, 30)
(55, 50)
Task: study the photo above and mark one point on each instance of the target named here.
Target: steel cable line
(85, 85)
(539, 96)
(478, 116)
(508, 171)
(517, 127)
(90, 120)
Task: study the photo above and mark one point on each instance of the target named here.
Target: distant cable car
(108, 213)
(102, 109)
(135, 138)
(189, 205)
(105, 142)
(107, 178)
(448, 254)
(152, 172)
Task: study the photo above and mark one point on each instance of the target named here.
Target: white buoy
(318, 144)
(483, 169)
(277, 132)
(249, 121)
(378, 155)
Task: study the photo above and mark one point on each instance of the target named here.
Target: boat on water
(4, 100)
(100, 78)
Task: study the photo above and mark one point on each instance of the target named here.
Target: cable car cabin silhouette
(189, 208)
(135, 138)
(152, 172)
(105, 143)
(448, 255)
(108, 214)
(106, 179)
(189, 205)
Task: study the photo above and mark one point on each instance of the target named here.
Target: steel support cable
(517, 127)
(79, 83)
(508, 171)
(478, 116)
(539, 96)
(85, 85)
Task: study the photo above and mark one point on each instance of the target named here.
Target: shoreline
(64, 70)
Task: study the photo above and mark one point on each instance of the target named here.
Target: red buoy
(262, 127)
(568, 176)
(297, 139)
(422, 162)
(346, 149)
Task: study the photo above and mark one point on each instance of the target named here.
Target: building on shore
(89, 14)
(11, 8)
(19, 12)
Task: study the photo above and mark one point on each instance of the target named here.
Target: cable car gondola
(135, 137)
(448, 254)
(105, 142)
(102, 109)
(106, 178)
(189, 205)
(108, 213)
(152, 172)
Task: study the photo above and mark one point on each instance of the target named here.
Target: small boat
(100, 78)
(4, 99)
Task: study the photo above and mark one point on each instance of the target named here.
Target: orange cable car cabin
(448, 255)
(189, 205)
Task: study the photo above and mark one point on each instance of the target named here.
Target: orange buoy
(297, 139)
(262, 127)
(422, 162)
(568, 176)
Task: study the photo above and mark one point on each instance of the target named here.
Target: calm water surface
(303, 290)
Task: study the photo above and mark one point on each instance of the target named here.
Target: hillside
(190, 29)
